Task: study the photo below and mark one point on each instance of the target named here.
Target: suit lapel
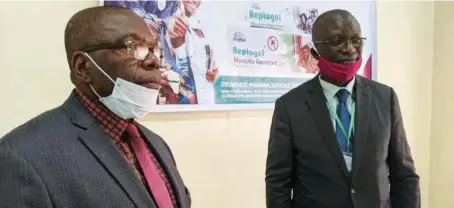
(102, 147)
(362, 119)
(317, 105)
(100, 144)
(167, 163)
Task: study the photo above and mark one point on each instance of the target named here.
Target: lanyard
(341, 126)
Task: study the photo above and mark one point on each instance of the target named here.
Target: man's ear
(315, 54)
(79, 67)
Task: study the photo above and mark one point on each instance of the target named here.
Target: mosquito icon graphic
(273, 43)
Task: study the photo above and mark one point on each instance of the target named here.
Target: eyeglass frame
(344, 41)
(121, 45)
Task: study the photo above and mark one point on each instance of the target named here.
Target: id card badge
(348, 161)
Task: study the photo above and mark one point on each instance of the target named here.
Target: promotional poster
(242, 55)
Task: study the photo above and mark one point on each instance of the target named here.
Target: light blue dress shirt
(330, 91)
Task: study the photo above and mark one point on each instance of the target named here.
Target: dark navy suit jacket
(305, 166)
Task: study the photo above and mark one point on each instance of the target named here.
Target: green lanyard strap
(341, 126)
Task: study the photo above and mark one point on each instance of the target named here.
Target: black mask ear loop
(313, 50)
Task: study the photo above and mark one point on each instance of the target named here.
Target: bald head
(102, 45)
(97, 25)
(337, 37)
(334, 23)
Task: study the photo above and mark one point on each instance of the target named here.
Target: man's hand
(177, 28)
(212, 74)
(167, 95)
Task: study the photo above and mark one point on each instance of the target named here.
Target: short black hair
(329, 17)
(82, 29)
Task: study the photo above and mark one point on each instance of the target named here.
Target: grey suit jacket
(304, 155)
(63, 158)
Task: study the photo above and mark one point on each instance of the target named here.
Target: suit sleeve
(20, 185)
(404, 181)
(279, 161)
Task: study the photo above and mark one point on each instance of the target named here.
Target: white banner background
(240, 33)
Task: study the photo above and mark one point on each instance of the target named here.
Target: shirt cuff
(181, 52)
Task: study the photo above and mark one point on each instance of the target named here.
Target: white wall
(221, 155)
(405, 34)
(442, 145)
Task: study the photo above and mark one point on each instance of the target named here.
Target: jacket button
(353, 191)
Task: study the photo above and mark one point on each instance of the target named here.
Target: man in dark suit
(338, 140)
(89, 152)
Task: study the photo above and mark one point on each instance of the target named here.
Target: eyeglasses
(139, 49)
(342, 42)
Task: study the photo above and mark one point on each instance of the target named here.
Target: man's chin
(189, 13)
(190, 10)
(153, 86)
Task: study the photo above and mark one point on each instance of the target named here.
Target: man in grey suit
(338, 140)
(89, 152)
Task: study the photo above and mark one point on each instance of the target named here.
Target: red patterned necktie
(150, 170)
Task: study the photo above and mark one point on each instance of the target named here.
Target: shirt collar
(330, 90)
(112, 124)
